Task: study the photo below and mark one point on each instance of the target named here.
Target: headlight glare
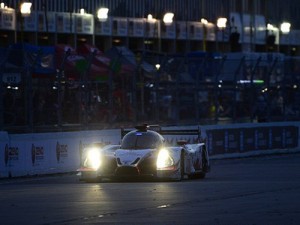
(93, 158)
(164, 159)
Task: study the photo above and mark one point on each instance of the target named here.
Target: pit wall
(50, 153)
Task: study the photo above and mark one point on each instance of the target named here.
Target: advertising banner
(46, 21)
(247, 28)
(222, 141)
(84, 23)
(103, 27)
(120, 26)
(256, 138)
(285, 39)
(260, 29)
(195, 30)
(210, 32)
(168, 31)
(30, 22)
(235, 23)
(39, 161)
(15, 159)
(7, 19)
(232, 140)
(181, 30)
(65, 22)
(294, 37)
(11, 78)
(136, 27)
(152, 29)
(4, 154)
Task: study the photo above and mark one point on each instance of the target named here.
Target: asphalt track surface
(258, 190)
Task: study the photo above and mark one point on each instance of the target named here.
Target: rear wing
(159, 130)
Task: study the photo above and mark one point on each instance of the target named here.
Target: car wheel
(205, 166)
(182, 165)
(202, 174)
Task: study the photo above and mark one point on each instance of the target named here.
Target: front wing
(190, 154)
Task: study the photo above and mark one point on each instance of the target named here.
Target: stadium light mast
(221, 24)
(285, 29)
(204, 24)
(25, 8)
(168, 18)
(102, 14)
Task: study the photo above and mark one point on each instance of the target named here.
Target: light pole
(285, 28)
(25, 11)
(153, 29)
(102, 14)
(272, 33)
(204, 23)
(155, 97)
(168, 20)
(221, 24)
(2, 63)
(25, 8)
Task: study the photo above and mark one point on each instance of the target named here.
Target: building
(203, 84)
(57, 21)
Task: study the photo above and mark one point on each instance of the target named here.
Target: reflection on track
(262, 190)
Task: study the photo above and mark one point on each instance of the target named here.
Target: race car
(146, 153)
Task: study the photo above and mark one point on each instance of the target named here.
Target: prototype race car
(144, 152)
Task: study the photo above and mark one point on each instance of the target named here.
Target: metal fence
(196, 88)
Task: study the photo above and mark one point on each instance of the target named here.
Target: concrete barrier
(241, 138)
(49, 153)
(4, 153)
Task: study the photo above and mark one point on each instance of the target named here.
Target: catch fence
(195, 88)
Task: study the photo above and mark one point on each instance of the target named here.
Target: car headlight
(164, 159)
(93, 159)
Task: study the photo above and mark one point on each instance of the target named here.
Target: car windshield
(141, 140)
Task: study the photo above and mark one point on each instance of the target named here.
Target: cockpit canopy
(146, 139)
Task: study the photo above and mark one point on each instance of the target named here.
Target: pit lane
(257, 190)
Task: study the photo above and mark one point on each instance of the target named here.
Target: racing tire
(205, 165)
(205, 168)
(181, 166)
